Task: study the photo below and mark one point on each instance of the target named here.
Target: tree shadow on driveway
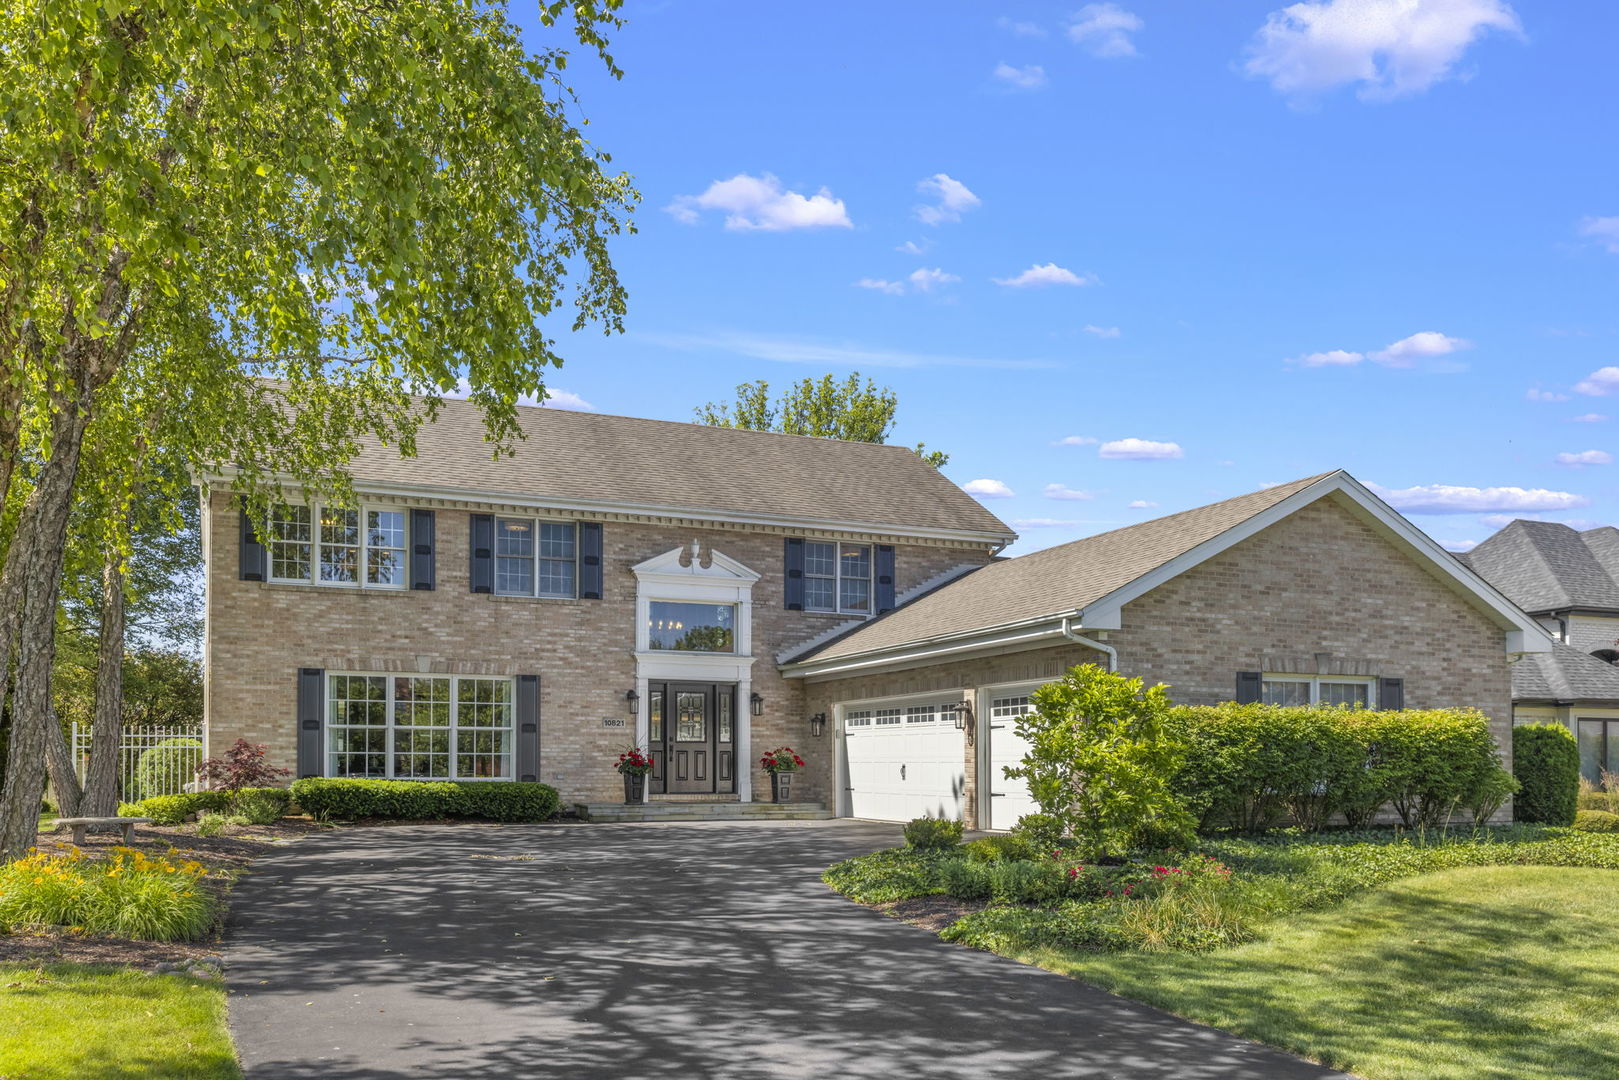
(691, 950)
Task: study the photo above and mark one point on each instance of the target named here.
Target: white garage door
(1008, 799)
(903, 762)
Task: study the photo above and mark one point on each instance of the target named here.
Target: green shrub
(1598, 821)
(1101, 760)
(130, 895)
(211, 823)
(963, 879)
(885, 876)
(166, 765)
(1000, 848)
(176, 809)
(259, 806)
(1042, 831)
(1490, 794)
(1546, 761)
(932, 834)
(1592, 797)
(425, 799)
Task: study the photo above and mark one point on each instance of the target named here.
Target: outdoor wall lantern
(757, 704)
(963, 711)
(631, 700)
(818, 724)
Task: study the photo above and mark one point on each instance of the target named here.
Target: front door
(693, 736)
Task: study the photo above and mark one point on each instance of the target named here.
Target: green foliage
(1596, 821)
(885, 876)
(1100, 762)
(1592, 797)
(259, 805)
(176, 809)
(130, 895)
(1546, 761)
(210, 823)
(820, 407)
(932, 834)
(325, 799)
(166, 765)
(1000, 847)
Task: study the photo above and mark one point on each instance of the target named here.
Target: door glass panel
(656, 716)
(1591, 750)
(723, 702)
(691, 719)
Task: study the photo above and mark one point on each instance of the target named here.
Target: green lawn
(74, 1021)
(1507, 972)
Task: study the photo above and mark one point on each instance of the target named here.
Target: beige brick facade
(260, 634)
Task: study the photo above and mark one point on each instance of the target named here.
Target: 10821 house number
(613, 721)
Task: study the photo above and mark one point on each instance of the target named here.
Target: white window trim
(837, 581)
(534, 559)
(388, 725)
(1315, 682)
(314, 578)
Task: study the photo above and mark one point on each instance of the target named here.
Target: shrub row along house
(712, 594)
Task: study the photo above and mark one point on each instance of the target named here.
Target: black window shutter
(255, 560)
(794, 569)
(421, 549)
(1250, 687)
(884, 569)
(528, 728)
(483, 553)
(1391, 693)
(311, 702)
(590, 560)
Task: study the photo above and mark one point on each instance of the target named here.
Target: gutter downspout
(1102, 647)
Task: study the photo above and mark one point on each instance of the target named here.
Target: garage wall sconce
(631, 700)
(817, 724)
(963, 712)
(756, 704)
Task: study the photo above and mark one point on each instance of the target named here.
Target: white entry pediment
(683, 564)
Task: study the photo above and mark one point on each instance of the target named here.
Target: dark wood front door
(693, 734)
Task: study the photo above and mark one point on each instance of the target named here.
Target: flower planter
(634, 787)
(781, 787)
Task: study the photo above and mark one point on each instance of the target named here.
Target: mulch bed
(932, 913)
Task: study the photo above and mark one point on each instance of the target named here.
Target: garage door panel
(1008, 798)
(903, 762)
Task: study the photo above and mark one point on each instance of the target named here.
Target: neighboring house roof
(1084, 584)
(1564, 674)
(586, 460)
(1548, 566)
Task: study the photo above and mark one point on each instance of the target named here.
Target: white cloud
(1588, 418)
(1077, 440)
(1104, 30)
(1046, 523)
(1501, 521)
(1600, 383)
(1139, 450)
(760, 203)
(1391, 48)
(924, 280)
(1537, 394)
(1580, 458)
(1459, 545)
(554, 398)
(1330, 358)
(1049, 274)
(911, 247)
(1031, 77)
(987, 489)
(1453, 499)
(1062, 491)
(1142, 504)
(894, 288)
(951, 199)
(1020, 29)
(1419, 346)
(1102, 331)
(786, 350)
(1604, 230)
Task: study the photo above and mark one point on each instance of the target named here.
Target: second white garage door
(904, 761)
(1008, 799)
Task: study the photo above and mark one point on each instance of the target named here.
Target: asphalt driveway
(628, 951)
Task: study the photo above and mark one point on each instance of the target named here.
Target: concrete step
(695, 811)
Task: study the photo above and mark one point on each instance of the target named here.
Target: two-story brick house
(613, 581)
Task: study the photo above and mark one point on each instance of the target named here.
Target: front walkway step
(696, 811)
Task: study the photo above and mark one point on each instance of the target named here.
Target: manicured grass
(1466, 974)
(69, 1021)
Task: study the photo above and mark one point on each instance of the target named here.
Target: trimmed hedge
(1546, 761)
(490, 800)
(932, 834)
(1252, 767)
(1596, 821)
(176, 809)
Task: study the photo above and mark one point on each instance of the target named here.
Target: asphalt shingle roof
(1564, 674)
(1055, 581)
(678, 466)
(1546, 565)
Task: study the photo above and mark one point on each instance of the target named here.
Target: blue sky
(1211, 246)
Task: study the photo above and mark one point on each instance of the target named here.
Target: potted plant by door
(633, 765)
(781, 763)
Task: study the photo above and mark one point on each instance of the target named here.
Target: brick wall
(259, 634)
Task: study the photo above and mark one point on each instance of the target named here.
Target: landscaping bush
(425, 799)
(1598, 821)
(1000, 848)
(176, 809)
(211, 824)
(1606, 797)
(165, 766)
(259, 806)
(932, 834)
(1546, 761)
(130, 895)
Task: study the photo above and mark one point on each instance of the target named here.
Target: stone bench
(126, 824)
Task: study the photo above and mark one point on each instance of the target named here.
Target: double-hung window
(332, 545)
(837, 577)
(536, 558)
(419, 727)
(1309, 690)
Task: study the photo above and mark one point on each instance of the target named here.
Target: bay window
(419, 727)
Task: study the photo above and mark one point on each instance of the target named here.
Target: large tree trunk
(106, 731)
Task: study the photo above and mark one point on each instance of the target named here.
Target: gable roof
(589, 460)
(1546, 565)
(1564, 674)
(1089, 580)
